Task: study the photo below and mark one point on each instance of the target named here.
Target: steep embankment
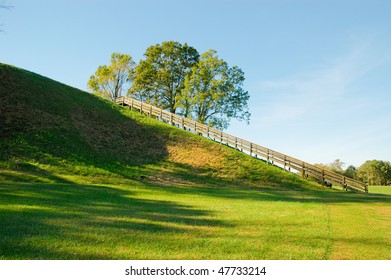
(50, 132)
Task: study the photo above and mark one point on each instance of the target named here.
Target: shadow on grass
(36, 220)
(32, 173)
(289, 191)
(53, 124)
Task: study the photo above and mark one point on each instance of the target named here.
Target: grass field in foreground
(149, 221)
(380, 189)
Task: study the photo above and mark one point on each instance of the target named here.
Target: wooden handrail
(270, 156)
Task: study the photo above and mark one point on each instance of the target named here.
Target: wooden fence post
(284, 162)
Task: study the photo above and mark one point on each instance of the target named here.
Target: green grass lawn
(142, 220)
(380, 189)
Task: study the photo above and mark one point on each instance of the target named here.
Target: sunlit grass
(149, 221)
(380, 189)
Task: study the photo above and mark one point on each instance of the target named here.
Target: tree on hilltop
(159, 78)
(113, 80)
(174, 77)
(213, 92)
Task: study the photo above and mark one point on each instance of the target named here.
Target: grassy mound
(51, 132)
(71, 188)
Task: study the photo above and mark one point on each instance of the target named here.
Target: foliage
(337, 166)
(375, 172)
(351, 172)
(173, 77)
(111, 81)
(372, 172)
(160, 77)
(213, 92)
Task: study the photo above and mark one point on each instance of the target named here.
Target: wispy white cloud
(325, 110)
(326, 88)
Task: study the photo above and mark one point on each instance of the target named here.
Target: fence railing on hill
(270, 156)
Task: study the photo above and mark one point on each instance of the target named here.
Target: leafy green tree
(112, 81)
(213, 92)
(337, 166)
(384, 172)
(367, 172)
(375, 172)
(351, 171)
(160, 77)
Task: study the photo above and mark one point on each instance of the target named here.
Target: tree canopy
(371, 172)
(175, 77)
(111, 81)
(213, 92)
(375, 172)
(160, 77)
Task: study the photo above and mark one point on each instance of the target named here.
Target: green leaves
(111, 81)
(213, 92)
(160, 77)
(375, 172)
(176, 78)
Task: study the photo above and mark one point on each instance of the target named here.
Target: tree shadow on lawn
(65, 128)
(290, 191)
(31, 174)
(36, 217)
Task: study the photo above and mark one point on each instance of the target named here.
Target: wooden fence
(270, 156)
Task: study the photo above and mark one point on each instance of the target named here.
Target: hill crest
(50, 130)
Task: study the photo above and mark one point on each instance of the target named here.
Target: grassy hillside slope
(71, 188)
(51, 132)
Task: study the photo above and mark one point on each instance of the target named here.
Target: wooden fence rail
(270, 156)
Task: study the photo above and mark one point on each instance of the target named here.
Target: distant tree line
(177, 78)
(371, 172)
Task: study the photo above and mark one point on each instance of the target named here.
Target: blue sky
(318, 72)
